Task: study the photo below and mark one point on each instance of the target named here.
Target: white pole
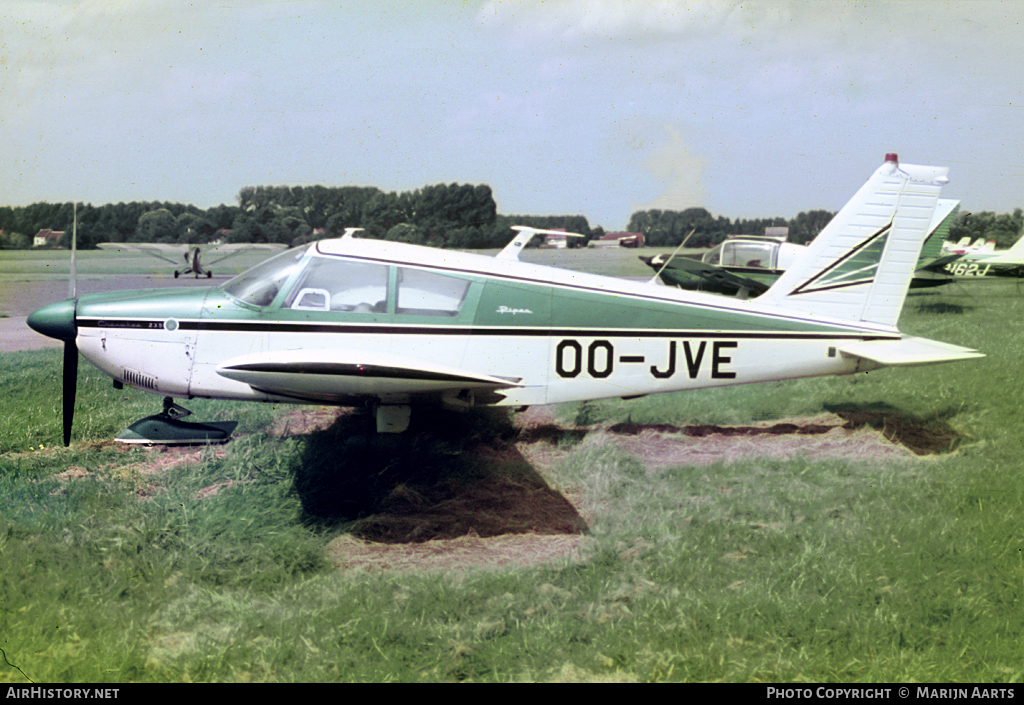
(73, 278)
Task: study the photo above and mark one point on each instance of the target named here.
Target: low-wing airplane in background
(747, 265)
(190, 253)
(964, 246)
(393, 326)
(986, 263)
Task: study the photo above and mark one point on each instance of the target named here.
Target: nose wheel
(168, 428)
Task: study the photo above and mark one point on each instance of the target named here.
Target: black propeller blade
(70, 386)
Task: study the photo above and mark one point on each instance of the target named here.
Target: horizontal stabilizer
(689, 273)
(907, 351)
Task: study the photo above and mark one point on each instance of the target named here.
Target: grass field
(217, 569)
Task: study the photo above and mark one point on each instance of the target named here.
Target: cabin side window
(425, 293)
(330, 284)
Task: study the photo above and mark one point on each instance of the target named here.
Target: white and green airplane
(393, 326)
(989, 263)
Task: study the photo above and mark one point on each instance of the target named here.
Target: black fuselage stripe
(337, 369)
(363, 329)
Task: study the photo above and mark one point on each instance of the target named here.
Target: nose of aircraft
(58, 321)
(55, 320)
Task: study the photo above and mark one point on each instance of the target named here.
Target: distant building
(619, 240)
(47, 237)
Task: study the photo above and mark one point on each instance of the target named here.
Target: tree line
(669, 228)
(443, 215)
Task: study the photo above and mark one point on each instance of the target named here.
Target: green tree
(806, 226)
(158, 225)
(405, 232)
(194, 228)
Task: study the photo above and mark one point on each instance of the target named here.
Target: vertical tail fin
(1016, 248)
(946, 210)
(859, 267)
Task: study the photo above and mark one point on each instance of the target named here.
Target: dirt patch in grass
(862, 434)
(304, 420)
(468, 491)
(457, 555)
(497, 521)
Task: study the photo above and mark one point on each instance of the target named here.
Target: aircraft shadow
(451, 474)
(943, 307)
(924, 435)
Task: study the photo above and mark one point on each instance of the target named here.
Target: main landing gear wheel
(168, 428)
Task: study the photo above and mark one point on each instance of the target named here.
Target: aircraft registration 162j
(392, 326)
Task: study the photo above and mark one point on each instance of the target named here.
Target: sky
(562, 107)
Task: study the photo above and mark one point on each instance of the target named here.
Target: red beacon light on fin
(892, 157)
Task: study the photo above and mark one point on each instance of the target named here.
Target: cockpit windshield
(259, 285)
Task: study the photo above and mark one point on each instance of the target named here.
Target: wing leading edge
(334, 376)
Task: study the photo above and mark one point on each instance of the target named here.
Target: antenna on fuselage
(350, 232)
(655, 279)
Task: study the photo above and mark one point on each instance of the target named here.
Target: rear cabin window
(330, 284)
(429, 294)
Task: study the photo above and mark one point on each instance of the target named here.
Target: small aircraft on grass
(190, 253)
(964, 247)
(747, 265)
(393, 326)
(988, 263)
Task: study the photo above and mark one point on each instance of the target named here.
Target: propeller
(70, 386)
(70, 380)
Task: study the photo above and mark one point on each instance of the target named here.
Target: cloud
(607, 19)
(678, 171)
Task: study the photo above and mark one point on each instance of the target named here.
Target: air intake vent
(137, 379)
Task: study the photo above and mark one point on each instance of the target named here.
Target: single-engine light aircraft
(190, 253)
(988, 263)
(747, 265)
(393, 326)
(965, 247)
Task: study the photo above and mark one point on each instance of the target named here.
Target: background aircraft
(191, 254)
(390, 326)
(747, 265)
(964, 246)
(985, 263)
